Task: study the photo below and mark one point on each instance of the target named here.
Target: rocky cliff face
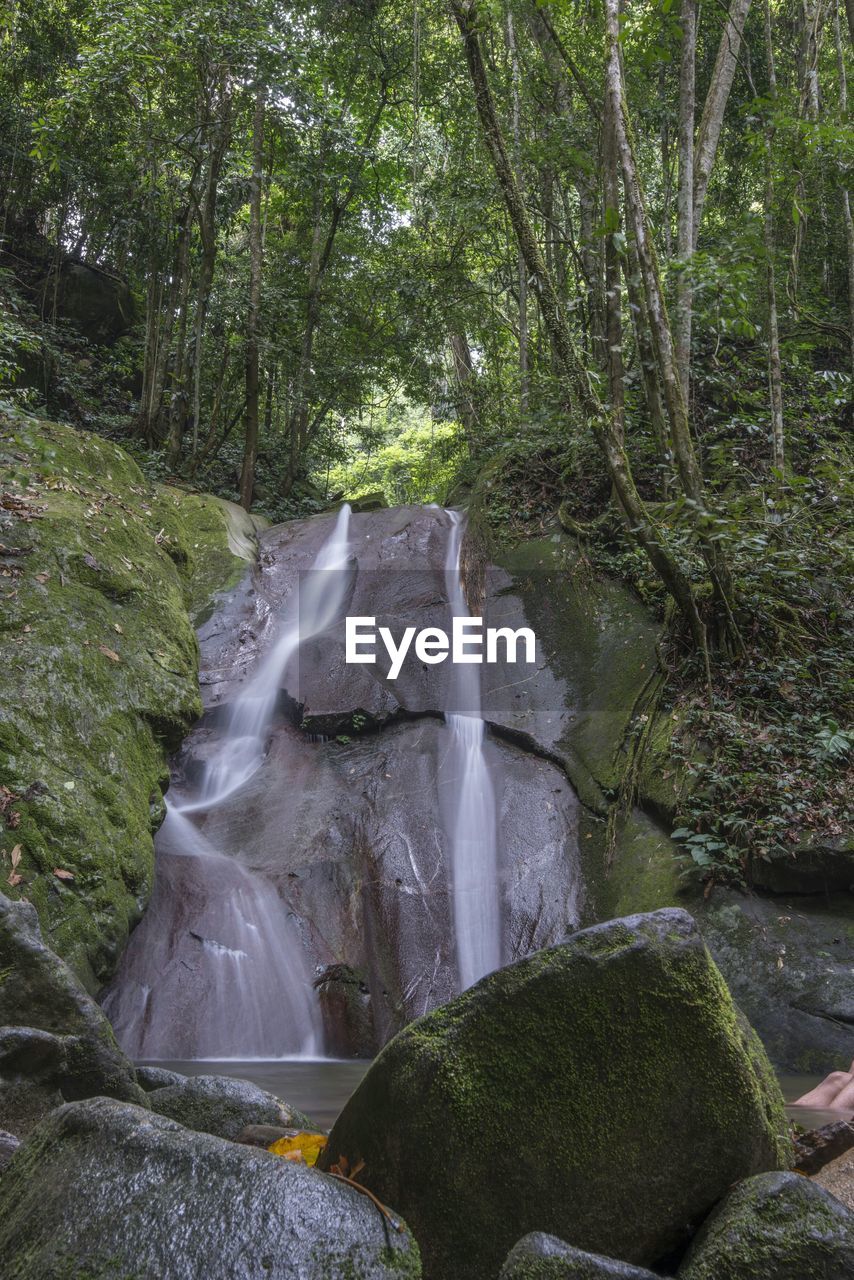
(100, 574)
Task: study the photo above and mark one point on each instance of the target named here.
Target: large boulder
(102, 1189)
(777, 1226)
(223, 1106)
(100, 678)
(55, 1043)
(547, 1098)
(541, 1257)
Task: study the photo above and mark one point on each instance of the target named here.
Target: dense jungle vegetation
(569, 259)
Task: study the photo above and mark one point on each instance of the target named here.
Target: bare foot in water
(835, 1093)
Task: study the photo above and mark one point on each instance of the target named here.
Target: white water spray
(244, 739)
(474, 825)
(246, 989)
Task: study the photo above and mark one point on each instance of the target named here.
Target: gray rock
(777, 1226)
(546, 1098)
(55, 1042)
(541, 1257)
(819, 867)
(150, 1078)
(223, 1105)
(174, 1203)
(8, 1146)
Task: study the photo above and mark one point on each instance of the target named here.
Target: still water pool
(321, 1086)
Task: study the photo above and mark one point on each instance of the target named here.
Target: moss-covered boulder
(778, 1226)
(223, 1106)
(102, 1191)
(547, 1097)
(99, 573)
(541, 1257)
(55, 1043)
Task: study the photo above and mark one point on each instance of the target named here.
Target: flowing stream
(473, 834)
(251, 993)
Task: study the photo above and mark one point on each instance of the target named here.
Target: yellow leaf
(305, 1146)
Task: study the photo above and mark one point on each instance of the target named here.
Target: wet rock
(374, 501)
(223, 1105)
(777, 1226)
(788, 964)
(541, 1257)
(55, 1042)
(838, 1178)
(826, 867)
(150, 1078)
(817, 1147)
(264, 1135)
(345, 1000)
(243, 1213)
(8, 1146)
(364, 876)
(529, 1088)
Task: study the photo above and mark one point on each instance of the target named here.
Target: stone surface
(55, 1042)
(223, 1105)
(99, 680)
(838, 1178)
(826, 867)
(541, 1257)
(363, 873)
(788, 964)
(540, 1082)
(9, 1144)
(777, 1226)
(171, 1202)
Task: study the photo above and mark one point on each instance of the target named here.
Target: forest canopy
(574, 258)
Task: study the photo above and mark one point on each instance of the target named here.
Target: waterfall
(246, 989)
(320, 600)
(227, 975)
(473, 833)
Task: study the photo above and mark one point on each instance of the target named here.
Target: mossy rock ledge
(541, 1257)
(102, 577)
(546, 1098)
(777, 1226)
(169, 1202)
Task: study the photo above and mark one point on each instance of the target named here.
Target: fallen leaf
(117, 628)
(62, 874)
(42, 577)
(14, 878)
(109, 653)
(16, 855)
(302, 1147)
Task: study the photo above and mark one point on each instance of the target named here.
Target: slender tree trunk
(463, 375)
(250, 448)
(846, 199)
(709, 132)
(775, 373)
(687, 466)
(613, 290)
(685, 195)
(649, 368)
(574, 379)
(522, 271)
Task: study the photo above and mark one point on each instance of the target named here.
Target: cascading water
(320, 600)
(473, 830)
(247, 992)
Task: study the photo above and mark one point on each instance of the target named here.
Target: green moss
(100, 678)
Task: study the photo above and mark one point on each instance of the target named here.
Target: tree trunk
(775, 374)
(613, 290)
(522, 272)
(574, 379)
(250, 448)
(846, 199)
(709, 133)
(463, 374)
(685, 195)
